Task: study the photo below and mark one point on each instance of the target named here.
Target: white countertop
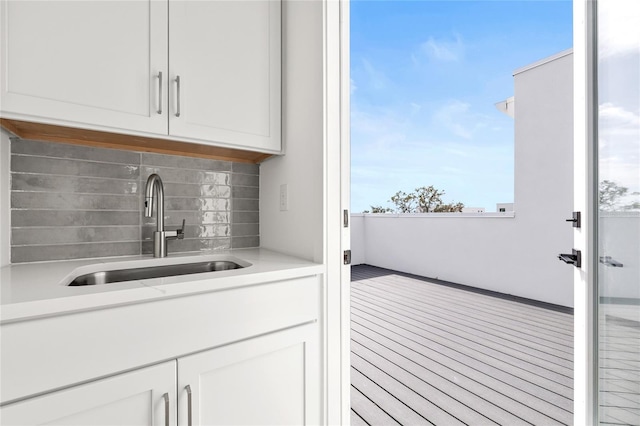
(37, 290)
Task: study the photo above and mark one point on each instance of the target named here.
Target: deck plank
(368, 411)
(482, 303)
(430, 401)
(486, 395)
(426, 303)
(454, 345)
(469, 312)
(451, 355)
(356, 420)
(468, 329)
(476, 369)
(432, 287)
(391, 403)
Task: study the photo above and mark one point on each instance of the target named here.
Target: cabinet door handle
(166, 409)
(189, 422)
(178, 96)
(160, 92)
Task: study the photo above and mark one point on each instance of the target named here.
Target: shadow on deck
(428, 352)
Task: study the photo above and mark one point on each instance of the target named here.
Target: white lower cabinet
(266, 380)
(269, 380)
(134, 398)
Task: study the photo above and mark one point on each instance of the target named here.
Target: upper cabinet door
(226, 56)
(85, 63)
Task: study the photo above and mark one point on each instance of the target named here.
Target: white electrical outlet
(284, 197)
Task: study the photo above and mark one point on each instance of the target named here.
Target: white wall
(544, 174)
(358, 245)
(5, 200)
(513, 255)
(298, 231)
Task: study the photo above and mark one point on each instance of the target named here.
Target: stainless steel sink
(119, 275)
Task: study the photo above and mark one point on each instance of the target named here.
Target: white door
(225, 72)
(85, 63)
(607, 149)
(268, 380)
(142, 397)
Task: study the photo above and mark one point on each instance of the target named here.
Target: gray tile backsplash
(71, 202)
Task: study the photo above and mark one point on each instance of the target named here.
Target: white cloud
(444, 50)
(617, 116)
(619, 152)
(452, 170)
(380, 129)
(618, 23)
(458, 152)
(377, 79)
(452, 115)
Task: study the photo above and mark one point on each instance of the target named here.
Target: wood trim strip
(62, 134)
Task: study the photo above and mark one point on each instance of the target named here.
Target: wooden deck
(424, 352)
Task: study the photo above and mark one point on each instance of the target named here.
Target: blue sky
(425, 76)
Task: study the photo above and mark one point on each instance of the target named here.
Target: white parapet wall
(487, 251)
(482, 250)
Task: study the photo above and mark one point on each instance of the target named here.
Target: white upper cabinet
(114, 66)
(85, 63)
(226, 55)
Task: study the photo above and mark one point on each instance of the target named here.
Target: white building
(504, 207)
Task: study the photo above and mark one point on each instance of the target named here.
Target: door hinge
(345, 218)
(347, 257)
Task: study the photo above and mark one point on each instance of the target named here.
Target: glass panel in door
(618, 94)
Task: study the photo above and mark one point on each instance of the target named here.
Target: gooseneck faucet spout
(154, 189)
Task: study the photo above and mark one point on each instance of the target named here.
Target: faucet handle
(175, 234)
(180, 232)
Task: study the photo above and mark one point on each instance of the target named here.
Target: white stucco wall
(298, 231)
(513, 255)
(358, 246)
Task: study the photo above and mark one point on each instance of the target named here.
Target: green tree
(405, 203)
(446, 208)
(424, 199)
(378, 209)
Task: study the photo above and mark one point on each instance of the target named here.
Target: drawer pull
(166, 409)
(160, 92)
(178, 96)
(189, 422)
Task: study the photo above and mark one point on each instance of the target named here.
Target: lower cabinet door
(140, 397)
(268, 380)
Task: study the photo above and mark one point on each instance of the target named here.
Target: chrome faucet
(155, 188)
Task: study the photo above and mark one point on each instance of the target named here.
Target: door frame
(585, 201)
